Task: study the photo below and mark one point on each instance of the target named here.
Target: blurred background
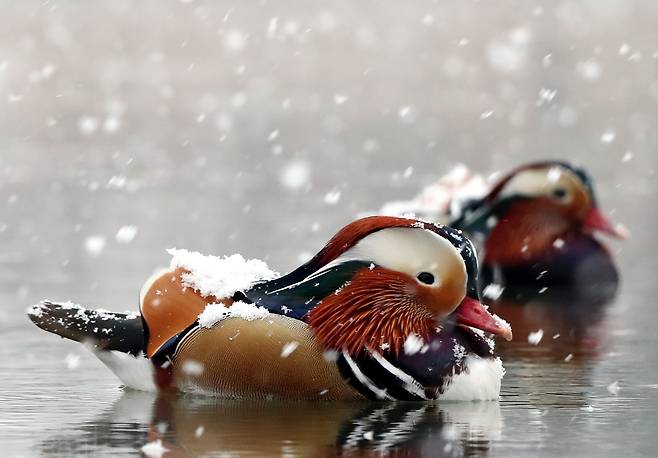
(128, 127)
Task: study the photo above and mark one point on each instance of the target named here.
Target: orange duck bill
(597, 221)
(471, 313)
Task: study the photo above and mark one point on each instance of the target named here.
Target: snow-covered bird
(388, 309)
(534, 225)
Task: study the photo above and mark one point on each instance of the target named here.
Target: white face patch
(411, 251)
(556, 182)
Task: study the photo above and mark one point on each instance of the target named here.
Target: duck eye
(425, 277)
(560, 193)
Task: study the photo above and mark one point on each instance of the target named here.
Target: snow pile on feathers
(443, 197)
(81, 313)
(220, 277)
(214, 313)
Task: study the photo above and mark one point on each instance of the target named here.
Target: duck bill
(472, 313)
(597, 221)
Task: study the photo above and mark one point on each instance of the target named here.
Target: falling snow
(295, 175)
(95, 244)
(590, 70)
(198, 432)
(608, 136)
(288, 348)
(126, 234)
(111, 124)
(535, 337)
(332, 197)
(493, 291)
(72, 361)
(191, 367)
(235, 41)
(413, 344)
(613, 388)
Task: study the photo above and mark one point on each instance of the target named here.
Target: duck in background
(389, 309)
(534, 227)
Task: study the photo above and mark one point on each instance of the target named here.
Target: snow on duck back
(213, 313)
(219, 276)
(443, 197)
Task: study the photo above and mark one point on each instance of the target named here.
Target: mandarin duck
(533, 226)
(388, 309)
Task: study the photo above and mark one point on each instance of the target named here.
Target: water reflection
(451, 429)
(574, 332)
(194, 425)
(571, 321)
(122, 428)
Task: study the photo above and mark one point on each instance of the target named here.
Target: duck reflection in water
(553, 323)
(190, 425)
(201, 425)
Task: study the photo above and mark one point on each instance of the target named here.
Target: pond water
(185, 126)
(548, 406)
(57, 399)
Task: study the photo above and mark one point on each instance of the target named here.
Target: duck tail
(102, 329)
(117, 339)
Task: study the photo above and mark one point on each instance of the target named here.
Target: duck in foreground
(534, 225)
(388, 309)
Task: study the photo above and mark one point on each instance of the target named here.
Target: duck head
(380, 280)
(532, 207)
